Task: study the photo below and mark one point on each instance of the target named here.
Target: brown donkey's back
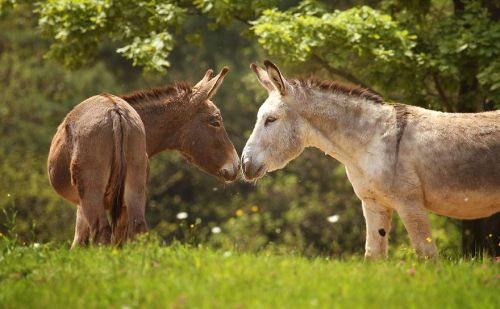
(100, 142)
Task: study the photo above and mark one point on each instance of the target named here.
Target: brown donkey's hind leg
(132, 218)
(91, 183)
(135, 199)
(82, 230)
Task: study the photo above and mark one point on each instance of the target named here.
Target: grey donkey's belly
(461, 178)
(463, 190)
(462, 204)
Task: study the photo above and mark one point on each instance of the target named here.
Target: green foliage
(6, 4)
(403, 49)
(364, 32)
(452, 46)
(143, 28)
(36, 95)
(154, 50)
(419, 52)
(153, 276)
(223, 12)
(423, 52)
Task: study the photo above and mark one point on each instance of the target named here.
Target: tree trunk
(481, 236)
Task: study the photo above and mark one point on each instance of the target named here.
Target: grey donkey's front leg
(378, 226)
(417, 224)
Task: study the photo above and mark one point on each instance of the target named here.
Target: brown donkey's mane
(157, 95)
(334, 86)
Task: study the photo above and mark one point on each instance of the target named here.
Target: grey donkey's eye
(269, 120)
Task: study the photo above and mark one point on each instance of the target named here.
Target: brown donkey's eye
(269, 120)
(215, 123)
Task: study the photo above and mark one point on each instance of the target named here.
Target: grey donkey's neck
(343, 126)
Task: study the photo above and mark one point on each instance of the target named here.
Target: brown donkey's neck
(163, 111)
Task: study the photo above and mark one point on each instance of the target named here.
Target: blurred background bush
(53, 54)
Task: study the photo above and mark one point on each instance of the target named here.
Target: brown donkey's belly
(59, 166)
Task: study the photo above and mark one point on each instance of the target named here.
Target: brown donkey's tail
(118, 171)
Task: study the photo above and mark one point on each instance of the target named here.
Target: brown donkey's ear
(208, 85)
(275, 76)
(205, 79)
(262, 77)
(215, 82)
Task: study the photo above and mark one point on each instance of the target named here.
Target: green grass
(150, 275)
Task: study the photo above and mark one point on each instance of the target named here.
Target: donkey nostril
(246, 163)
(228, 173)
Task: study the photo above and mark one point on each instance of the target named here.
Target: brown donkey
(98, 159)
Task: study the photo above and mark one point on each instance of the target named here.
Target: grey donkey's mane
(338, 87)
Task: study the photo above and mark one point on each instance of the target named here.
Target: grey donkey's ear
(276, 77)
(209, 85)
(262, 76)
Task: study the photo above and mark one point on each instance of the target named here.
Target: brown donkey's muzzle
(230, 170)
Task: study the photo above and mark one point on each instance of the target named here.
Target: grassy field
(150, 275)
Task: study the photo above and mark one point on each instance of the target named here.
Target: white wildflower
(182, 215)
(333, 219)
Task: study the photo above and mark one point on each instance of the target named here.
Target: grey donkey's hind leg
(417, 224)
(82, 230)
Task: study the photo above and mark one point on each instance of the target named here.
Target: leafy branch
(345, 75)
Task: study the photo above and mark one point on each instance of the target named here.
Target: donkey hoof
(103, 236)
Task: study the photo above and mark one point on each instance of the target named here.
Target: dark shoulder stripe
(402, 114)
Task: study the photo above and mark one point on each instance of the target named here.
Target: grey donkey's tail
(118, 170)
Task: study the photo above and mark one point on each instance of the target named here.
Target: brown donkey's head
(203, 139)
